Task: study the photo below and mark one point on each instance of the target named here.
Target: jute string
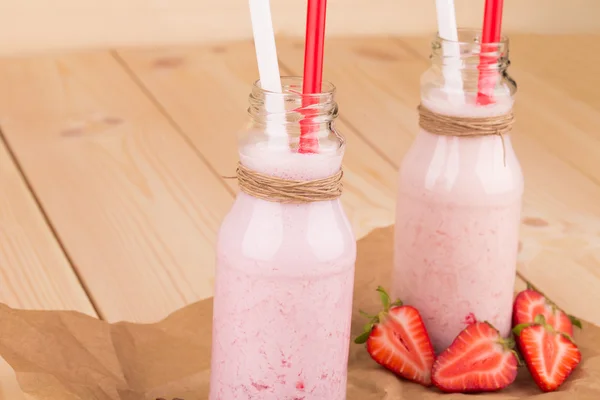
(446, 125)
(280, 190)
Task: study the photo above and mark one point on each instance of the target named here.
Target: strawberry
(397, 340)
(550, 355)
(478, 360)
(530, 303)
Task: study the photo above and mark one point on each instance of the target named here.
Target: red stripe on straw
(313, 69)
(492, 28)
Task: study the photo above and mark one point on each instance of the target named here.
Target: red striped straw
(313, 69)
(492, 28)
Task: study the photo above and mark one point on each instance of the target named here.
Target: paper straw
(447, 29)
(313, 66)
(268, 65)
(314, 46)
(491, 33)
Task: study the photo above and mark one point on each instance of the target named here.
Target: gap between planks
(37, 211)
(137, 81)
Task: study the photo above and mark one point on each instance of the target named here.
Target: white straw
(268, 65)
(447, 29)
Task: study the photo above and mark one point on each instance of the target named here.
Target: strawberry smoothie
(283, 290)
(457, 225)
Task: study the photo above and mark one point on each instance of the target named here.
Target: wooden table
(111, 162)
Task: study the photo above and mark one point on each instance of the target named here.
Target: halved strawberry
(397, 340)
(530, 303)
(478, 360)
(550, 355)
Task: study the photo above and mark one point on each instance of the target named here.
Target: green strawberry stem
(539, 320)
(366, 315)
(519, 328)
(574, 320)
(375, 319)
(362, 338)
(508, 344)
(385, 298)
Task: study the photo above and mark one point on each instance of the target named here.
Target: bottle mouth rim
(292, 88)
(475, 38)
(291, 105)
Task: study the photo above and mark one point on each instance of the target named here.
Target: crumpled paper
(59, 355)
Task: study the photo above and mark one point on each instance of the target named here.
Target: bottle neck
(290, 107)
(290, 114)
(469, 54)
(462, 67)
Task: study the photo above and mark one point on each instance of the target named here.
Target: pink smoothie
(457, 223)
(283, 290)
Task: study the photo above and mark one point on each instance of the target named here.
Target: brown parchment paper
(67, 356)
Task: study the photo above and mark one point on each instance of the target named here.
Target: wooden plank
(39, 25)
(205, 90)
(34, 272)
(135, 207)
(378, 84)
(568, 63)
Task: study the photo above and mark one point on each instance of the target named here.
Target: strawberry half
(530, 303)
(550, 355)
(397, 340)
(478, 360)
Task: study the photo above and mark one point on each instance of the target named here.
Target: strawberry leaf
(568, 337)
(576, 322)
(519, 358)
(369, 326)
(539, 320)
(519, 328)
(365, 314)
(362, 338)
(397, 303)
(491, 326)
(509, 342)
(385, 298)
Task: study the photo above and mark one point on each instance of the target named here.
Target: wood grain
(34, 272)
(134, 205)
(379, 90)
(39, 25)
(559, 60)
(205, 91)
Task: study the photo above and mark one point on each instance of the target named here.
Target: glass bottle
(459, 199)
(285, 272)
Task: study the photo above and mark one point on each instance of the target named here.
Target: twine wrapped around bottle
(288, 191)
(449, 125)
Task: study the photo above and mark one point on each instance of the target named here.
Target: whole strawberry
(530, 303)
(550, 355)
(397, 340)
(478, 360)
